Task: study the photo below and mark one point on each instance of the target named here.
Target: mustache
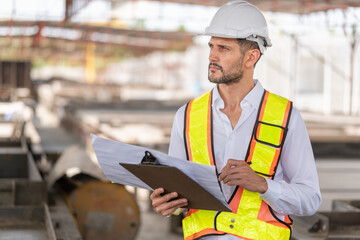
(216, 65)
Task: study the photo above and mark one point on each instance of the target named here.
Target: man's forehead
(222, 41)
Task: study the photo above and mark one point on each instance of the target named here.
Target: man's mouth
(214, 67)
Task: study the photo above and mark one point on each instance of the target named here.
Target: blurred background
(121, 69)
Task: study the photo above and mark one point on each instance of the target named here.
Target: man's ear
(251, 57)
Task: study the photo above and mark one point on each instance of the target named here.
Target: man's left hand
(237, 172)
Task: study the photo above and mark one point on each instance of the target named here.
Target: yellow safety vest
(251, 217)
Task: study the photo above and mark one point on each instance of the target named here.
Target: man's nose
(213, 56)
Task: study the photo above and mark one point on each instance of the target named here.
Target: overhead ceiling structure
(68, 40)
(53, 39)
(289, 6)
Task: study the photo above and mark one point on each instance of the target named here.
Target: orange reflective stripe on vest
(251, 217)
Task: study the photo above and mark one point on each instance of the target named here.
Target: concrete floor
(153, 226)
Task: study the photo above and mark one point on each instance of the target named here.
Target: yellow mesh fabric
(198, 127)
(198, 221)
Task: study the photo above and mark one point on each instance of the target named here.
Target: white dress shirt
(295, 188)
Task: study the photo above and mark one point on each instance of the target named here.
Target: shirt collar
(253, 97)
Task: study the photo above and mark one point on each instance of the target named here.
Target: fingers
(231, 167)
(232, 179)
(159, 200)
(166, 204)
(239, 173)
(233, 174)
(230, 163)
(169, 207)
(156, 193)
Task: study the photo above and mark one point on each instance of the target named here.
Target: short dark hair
(246, 45)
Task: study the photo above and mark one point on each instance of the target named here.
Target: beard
(232, 76)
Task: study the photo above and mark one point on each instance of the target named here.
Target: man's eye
(222, 48)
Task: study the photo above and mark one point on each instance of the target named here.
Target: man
(256, 140)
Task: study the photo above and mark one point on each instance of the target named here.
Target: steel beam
(48, 38)
(90, 33)
(74, 6)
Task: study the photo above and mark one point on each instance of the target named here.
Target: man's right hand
(165, 204)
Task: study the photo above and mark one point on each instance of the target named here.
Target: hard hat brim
(250, 38)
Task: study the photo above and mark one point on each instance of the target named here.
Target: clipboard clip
(149, 159)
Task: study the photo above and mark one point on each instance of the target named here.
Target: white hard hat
(240, 19)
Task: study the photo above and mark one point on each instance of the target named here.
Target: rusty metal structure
(99, 208)
(23, 197)
(71, 200)
(105, 211)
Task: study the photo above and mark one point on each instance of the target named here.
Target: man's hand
(164, 204)
(239, 173)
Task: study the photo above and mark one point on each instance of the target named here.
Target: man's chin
(214, 79)
(222, 81)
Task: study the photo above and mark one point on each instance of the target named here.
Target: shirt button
(231, 226)
(232, 220)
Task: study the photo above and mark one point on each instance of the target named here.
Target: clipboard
(174, 180)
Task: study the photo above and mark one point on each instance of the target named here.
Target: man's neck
(233, 94)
